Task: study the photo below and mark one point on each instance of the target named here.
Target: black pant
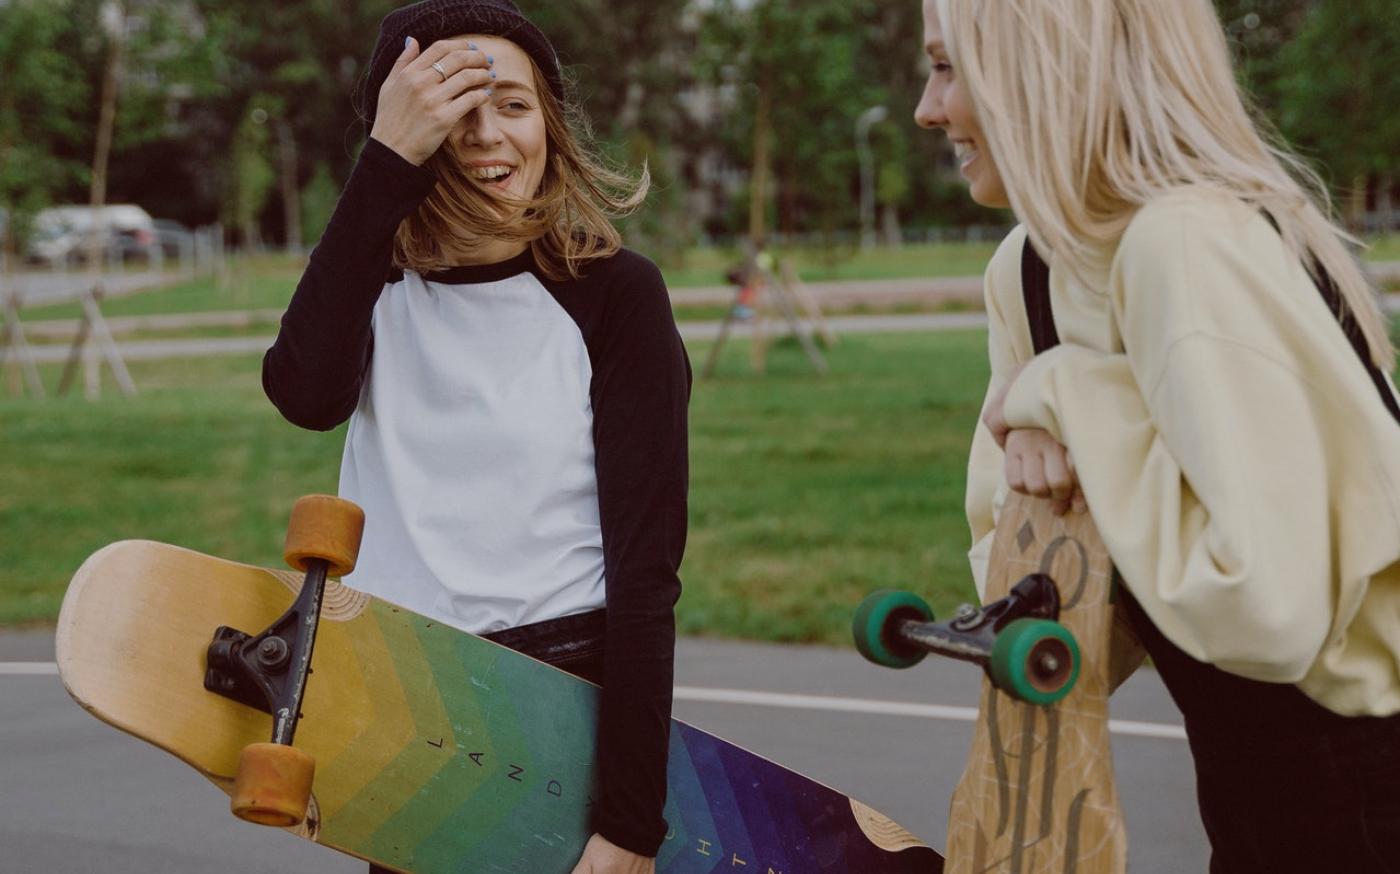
(1284, 784)
(573, 644)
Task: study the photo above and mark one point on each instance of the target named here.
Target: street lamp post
(873, 115)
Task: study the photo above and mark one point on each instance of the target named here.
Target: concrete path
(850, 292)
(79, 796)
(43, 288)
(150, 350)
(39, 288)
(205, 347)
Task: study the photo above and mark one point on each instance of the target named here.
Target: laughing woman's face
(503, 144)
(945, 104)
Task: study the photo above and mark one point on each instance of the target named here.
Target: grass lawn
(261, 282)
(701, 267)
(1384, 249)
(806, 491)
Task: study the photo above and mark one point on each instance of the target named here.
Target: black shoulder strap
(1338, 305)
(1332, 295)
(1035, 289)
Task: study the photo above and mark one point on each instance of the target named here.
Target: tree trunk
(291, 194)
(8, 248)
(252, 236)
(632, 100)
(1356, 204)
(758, 179)
(889, 225)
(1385, 204)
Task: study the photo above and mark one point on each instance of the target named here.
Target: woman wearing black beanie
(514, 382)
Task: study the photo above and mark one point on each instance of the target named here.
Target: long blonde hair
(568, 222)
(1092, 108)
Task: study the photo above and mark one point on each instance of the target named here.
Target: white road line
(29, 668)
(783, 700)
(891, 708)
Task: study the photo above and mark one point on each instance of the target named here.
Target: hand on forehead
(508, 61)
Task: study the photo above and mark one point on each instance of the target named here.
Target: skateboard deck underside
(1038, 794)
(436, 750)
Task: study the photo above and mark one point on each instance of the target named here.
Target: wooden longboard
(436, 750)
(1038, 794)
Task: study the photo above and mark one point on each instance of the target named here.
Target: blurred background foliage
(241, 113)
(806, 491)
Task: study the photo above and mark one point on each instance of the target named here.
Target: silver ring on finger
(437, 65)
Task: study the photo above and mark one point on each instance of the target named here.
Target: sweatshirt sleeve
(641, 389)
(1202, 450)
(314, 370)
(986, 479)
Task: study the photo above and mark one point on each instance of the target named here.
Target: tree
(40, 107)
(627, 63)
(787, 69)
(250, 179)
(1341, 104)
(300, 63)
(53, 57)
(1258, 31)
(318, 199)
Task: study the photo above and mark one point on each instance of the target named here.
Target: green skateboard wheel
(875, 622)
(1035, 660)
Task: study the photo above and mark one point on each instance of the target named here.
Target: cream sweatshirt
(1236, 458)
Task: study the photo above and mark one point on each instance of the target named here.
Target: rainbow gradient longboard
(435, 750)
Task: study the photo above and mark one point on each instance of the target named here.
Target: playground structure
(766, 287)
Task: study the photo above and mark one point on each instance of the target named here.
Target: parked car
(173, 238)
(65, 234)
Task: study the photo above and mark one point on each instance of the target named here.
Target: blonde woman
(514, 381)
(1218, 399)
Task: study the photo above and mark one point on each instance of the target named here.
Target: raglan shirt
(1230, 444)
(518, 444)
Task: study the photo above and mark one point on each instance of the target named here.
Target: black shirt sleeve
(314, 371)
(640, 392)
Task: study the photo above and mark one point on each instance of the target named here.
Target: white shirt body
(472, 454)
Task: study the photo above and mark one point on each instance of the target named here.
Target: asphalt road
(42, 288)
(78, 796)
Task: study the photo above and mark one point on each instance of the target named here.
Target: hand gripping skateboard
(403, 741)
(1037, 795)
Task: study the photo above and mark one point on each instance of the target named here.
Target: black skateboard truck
(268, 670)
(1017, 640)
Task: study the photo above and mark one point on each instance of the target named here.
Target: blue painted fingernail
(407, 41)
(472, 46)
(493, 74)
(490, 60)
(488, 92)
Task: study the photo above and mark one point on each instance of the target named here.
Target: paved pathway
(42, 288)
(146, 350)
(849, 292)
(965, 290)
(79, 796)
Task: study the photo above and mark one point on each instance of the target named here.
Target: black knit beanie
(432, 20)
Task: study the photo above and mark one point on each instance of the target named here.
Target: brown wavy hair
(567, 223)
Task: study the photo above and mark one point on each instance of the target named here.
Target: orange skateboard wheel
(324, 527)
(273, 786)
